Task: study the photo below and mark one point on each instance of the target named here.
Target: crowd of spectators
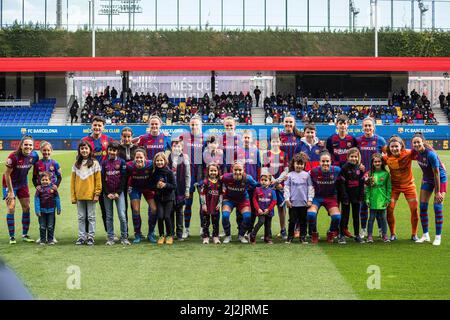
(401, 109)
(444, 102)
(129, 108)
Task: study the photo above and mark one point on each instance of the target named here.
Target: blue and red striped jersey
(139, 178)
(212, 192)
(289, 142)
(252, 162)
(20, 166)
(325, 183)
(338, 148)
(154, 144)
(237, 191)
(99, 146)
(368, 147)
(49, 165)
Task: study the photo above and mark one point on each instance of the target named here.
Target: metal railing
(15, 103)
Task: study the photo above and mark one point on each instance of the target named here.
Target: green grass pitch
(190, 270)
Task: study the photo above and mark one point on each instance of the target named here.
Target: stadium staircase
(58, 117)
(258, 116)
(440, 115)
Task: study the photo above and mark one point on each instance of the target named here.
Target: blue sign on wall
(63, 136)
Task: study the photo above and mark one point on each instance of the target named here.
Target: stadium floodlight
(423, 8)
(93, 27)
(374, 7)
(354, 12)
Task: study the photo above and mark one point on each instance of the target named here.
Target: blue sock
(312, 221)
(246, 222)
(439, 217)
(25, 222)
(226, 222)
(424, 216)
(10, 223)
(335, 221)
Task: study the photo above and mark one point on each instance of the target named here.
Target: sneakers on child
(125, 242)
(12, 240)
(341, 240)
(283, 234)
(227, 239)
(288, 241)
(90, 241)
(110, 242)
(206, 240)
(80, 241)
(437, 241)
(242, 239)
(414, 238)
(358, 239)
(363, 233)
(42, 243)
(54, 240)
(51, 242)
(26, 238)
(425, 238)
(38, 240)
(151, 237)
(393, 237)
(161, 240)
(303, 240)
(137, 239)
(185, 233)
(385, 238)
(369, 239)
(169, 240)
(216, 240)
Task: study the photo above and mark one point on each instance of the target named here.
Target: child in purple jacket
(299, 194)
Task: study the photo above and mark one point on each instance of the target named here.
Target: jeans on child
(120, 205)
(86, 209)
(47, 226)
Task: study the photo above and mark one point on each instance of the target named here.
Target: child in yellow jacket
(85, 189)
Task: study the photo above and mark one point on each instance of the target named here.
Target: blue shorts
(239, 206)
(280, 198)
(21, 193)
(328, 202)
(136, 194)
(427, 186)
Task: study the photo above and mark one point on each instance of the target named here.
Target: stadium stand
(400, 109)
(129, 108)
(136, 109)
(36, 114)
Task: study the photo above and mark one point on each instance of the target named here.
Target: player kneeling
(324, 179)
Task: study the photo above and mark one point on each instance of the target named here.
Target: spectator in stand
(74, 111)
(257, 94)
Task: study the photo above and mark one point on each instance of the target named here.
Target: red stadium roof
(64, 64)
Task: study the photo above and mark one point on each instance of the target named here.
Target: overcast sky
(233, 13)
